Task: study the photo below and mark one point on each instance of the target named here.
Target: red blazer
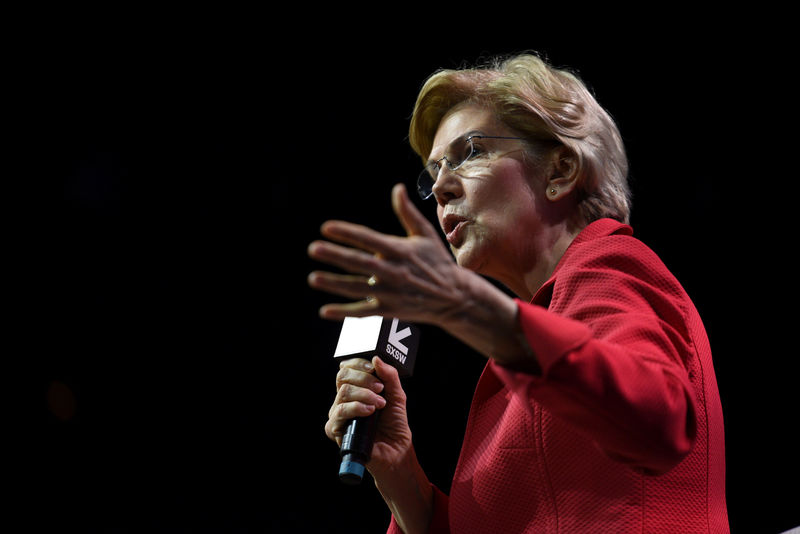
(622, 431)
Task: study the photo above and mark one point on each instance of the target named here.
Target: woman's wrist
(488, 321)
(408, 494)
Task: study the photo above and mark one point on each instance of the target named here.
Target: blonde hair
(541, 103)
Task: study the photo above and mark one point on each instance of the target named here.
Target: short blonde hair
(540, 103)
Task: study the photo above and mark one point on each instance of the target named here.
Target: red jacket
(622, 432)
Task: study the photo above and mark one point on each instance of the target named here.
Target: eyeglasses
(470, 155)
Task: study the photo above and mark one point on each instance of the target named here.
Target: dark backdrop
(180, 375)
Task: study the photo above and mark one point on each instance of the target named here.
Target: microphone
(393, 341)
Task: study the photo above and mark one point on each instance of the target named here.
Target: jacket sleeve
(439, 521)
(614, 351)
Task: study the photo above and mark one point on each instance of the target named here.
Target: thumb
(410, 217)
(390, 378)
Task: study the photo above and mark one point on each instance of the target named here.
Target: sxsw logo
(392, 340)
(394, 346)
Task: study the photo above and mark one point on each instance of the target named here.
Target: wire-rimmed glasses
(470, 153)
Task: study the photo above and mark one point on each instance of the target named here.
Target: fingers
(362, 237)
(408, 270)
(362, 308)
(359, 236)
(352, 401)
(341, 284)
(349, 285)
(349, 259)
(357, 395)
(358, 372)
(413, 221)
(342, 413)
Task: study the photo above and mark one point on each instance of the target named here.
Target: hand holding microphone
(358, 383)
(354, 420)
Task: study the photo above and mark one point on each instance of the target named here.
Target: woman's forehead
(462, 120)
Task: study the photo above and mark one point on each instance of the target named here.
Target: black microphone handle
(357, 447)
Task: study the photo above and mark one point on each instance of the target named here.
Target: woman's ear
(563, 173)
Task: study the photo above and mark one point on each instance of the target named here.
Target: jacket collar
(594, 230)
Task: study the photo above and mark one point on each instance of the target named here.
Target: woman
(598, 409)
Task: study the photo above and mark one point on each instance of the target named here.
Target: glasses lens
(425, 181)
(429, 174)
(467, 152)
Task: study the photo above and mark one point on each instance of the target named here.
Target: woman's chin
(468, 257)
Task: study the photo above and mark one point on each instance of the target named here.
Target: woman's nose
(447, 186)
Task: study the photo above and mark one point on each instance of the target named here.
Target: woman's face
(488, 212)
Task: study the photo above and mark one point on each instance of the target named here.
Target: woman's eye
(473, 151)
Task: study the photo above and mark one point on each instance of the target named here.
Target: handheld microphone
(393, 341)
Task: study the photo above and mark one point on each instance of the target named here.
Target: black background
(177, 375)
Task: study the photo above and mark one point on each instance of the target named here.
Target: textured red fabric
(623, 430)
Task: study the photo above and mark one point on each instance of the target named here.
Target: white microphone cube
(393, 341)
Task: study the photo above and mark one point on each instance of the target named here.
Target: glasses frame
(426, 191)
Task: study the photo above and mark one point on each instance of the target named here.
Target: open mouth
(452, 225)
